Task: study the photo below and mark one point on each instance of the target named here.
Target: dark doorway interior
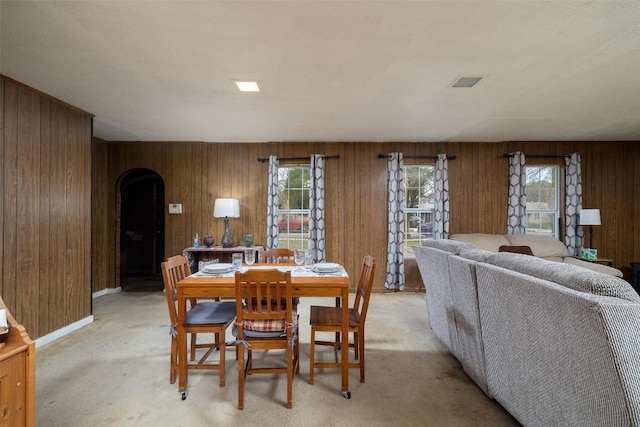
(141, 231)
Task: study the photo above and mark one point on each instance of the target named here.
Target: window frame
(423, 213)
(299, 237)
(559, 197)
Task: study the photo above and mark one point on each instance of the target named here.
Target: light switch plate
(175, 208)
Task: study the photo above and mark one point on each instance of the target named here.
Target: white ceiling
(334, 70)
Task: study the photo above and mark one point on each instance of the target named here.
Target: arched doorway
(141, 231)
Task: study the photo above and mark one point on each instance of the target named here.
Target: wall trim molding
(59, 333)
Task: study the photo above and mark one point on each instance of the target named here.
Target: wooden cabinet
(17, 375)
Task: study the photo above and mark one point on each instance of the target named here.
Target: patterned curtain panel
(316, 208)
(573, 234)
(441, 224)
(395, 259)
(517, 209)
(272, 203)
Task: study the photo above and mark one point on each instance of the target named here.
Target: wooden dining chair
(202, 317)
(329, 319)
(277, 256)
(268, 326)
(280, 256)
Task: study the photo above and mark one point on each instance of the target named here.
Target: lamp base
(227, 239)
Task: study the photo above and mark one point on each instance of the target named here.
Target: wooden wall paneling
(334, 203)
(478, 178)
(44, 245)
(456, 189)
(376, 213)
(178, 181)
(2, 169)
(342, 193)
(199, 186)
(57, 318)
(210, 180)
(615, 210)
(79, 137)
(99, 240)
(10, 196)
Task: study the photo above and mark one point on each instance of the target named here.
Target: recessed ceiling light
(467, 81)
(247, 86)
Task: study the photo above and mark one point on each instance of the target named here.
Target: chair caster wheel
(183, 395)
(346, 394)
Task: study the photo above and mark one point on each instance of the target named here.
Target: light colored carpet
(115, 372)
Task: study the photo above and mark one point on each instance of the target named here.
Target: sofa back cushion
(570, 276)
(541, 246)
(488, 242)
(447, 245)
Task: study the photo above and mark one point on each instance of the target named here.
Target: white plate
(327, 267)
(217, 268)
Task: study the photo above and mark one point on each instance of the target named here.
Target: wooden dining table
(305, 283)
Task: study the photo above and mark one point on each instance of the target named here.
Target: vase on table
(248, 240)
(208, 240)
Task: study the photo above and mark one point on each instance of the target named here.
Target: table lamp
(226, 208)
(590, 217)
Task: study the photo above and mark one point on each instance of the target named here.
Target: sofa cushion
(488, 242)
(541, 246)
(600, 268)
(447, 245)
(524, 250)
(570, 276)
(479, 255)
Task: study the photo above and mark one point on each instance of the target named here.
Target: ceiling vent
(467, 81)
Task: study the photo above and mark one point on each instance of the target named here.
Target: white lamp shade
(226, 208)
(590, 217)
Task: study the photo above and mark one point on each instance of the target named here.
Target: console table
(195, 254)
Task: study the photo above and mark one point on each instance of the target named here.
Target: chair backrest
(269, 286)
(174, 269)
(363, 292)
(277, 255)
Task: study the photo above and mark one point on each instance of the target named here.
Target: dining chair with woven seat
(267, 326)
(329, 319)
(201, 317)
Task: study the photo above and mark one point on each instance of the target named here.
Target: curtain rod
(543, 156)
(262, 159)
(382, 156)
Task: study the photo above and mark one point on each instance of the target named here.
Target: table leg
(345, 343)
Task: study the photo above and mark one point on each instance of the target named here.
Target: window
(419, 195)
(293, 206)
(543, 195)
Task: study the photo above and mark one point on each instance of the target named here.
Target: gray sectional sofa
(555, 344)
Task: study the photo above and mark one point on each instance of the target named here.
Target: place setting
(216, 269)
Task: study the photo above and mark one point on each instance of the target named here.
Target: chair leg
(355, 344)
(193, 341)
(360, 344)
(290, 351)
(174, 360)
(312, 353)
(221, 346)
(241, 376)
